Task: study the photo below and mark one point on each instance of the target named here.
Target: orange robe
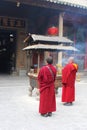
(68, 81)
(47, 89)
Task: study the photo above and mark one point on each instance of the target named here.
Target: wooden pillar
(46, 54)
(61, 24)
(60, 35)
(85, 60)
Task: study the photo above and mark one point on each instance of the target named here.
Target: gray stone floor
(18, 111)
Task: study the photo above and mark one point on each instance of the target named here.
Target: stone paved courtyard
(19, 111)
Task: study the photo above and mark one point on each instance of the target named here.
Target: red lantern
(52, 31)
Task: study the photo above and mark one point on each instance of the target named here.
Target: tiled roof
(46, 46)
(73, 3)
(50, 47)
(51, 38)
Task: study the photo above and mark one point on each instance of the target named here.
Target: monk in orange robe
(68, 81)
(46, 79)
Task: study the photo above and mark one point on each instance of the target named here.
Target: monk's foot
(44, 115)
(68, 104)
(49, 113)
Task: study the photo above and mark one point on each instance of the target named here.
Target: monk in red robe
(68, 81)
(46, 79)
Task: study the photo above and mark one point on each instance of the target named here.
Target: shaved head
(49, 60)
(71, 60)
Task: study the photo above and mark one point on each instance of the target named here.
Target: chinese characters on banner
(12, 22)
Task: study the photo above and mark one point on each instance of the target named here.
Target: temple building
(19, 18)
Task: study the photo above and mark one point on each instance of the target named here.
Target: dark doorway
(7, 51)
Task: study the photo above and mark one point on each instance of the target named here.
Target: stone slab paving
(18, 111)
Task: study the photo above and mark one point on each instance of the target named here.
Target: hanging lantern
(52, 31)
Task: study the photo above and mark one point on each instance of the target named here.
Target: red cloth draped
(47, 89)
(68, 81)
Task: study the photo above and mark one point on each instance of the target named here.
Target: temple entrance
(7, 51)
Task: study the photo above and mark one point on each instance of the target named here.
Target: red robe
(68, 81)
(47, 89)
